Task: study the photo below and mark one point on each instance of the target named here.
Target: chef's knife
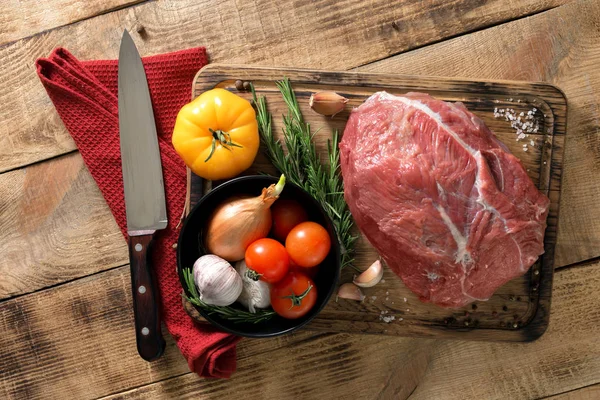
(144, 193)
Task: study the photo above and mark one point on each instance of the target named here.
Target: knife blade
(144, 193)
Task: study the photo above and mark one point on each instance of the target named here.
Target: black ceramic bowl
(188, 251)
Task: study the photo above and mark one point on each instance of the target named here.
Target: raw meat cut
(444, 202)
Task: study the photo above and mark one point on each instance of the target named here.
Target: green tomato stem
(297, 299)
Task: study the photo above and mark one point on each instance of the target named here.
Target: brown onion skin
(236, 223)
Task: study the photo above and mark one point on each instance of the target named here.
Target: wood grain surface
(22, 18)
(519, 310)
(75, 340)
(35, 349)
(256, 31)
(562, 47)
(54, 227)
(587, 393)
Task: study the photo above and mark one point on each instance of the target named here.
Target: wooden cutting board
(518, 311)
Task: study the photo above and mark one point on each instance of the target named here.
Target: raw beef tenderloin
(445, 203)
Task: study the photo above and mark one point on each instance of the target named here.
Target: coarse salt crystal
(405, 300)
(532, 142)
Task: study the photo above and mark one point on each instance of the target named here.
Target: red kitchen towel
(85, 96)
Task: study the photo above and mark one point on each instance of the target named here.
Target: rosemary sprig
(298, 160)
(229, 313)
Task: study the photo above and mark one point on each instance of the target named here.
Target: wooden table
(65, 304)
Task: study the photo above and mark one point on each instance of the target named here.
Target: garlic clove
(327, 102)
(255, 294)
(350, 291)
(371, 276)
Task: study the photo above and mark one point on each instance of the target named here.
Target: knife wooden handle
(150, 343)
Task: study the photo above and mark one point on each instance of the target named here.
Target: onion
(238, 222)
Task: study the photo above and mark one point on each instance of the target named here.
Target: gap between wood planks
(59, 284)
(582, 263)
(481, 28)
(107, 11)
(31, 164)
(567, 392)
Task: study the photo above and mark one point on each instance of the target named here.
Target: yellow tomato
(216, 134)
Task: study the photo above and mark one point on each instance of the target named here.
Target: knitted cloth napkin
(85, 96)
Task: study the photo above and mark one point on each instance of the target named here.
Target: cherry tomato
(308, 244)
(268, 259)
(286, 215)
(310, 272)
(293, 296)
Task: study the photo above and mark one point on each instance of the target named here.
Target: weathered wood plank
(250, 32)
(566, 357)
(22, 18)
(562, 47)
(54, 226)
(78, 339)
(586, 393)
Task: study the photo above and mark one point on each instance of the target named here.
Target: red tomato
(310, 272)
(268, 259)
(286, 215)
(308, 244)
(293, 296)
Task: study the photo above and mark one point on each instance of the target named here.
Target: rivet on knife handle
(150, 342)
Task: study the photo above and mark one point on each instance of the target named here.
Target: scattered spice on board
(524, 124)
(386, 318)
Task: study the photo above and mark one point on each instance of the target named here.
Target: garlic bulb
(371, 276)
(255, 294)
(218, 283)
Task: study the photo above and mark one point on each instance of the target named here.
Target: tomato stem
(297, 299)
(253, 274)
(224, 140)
